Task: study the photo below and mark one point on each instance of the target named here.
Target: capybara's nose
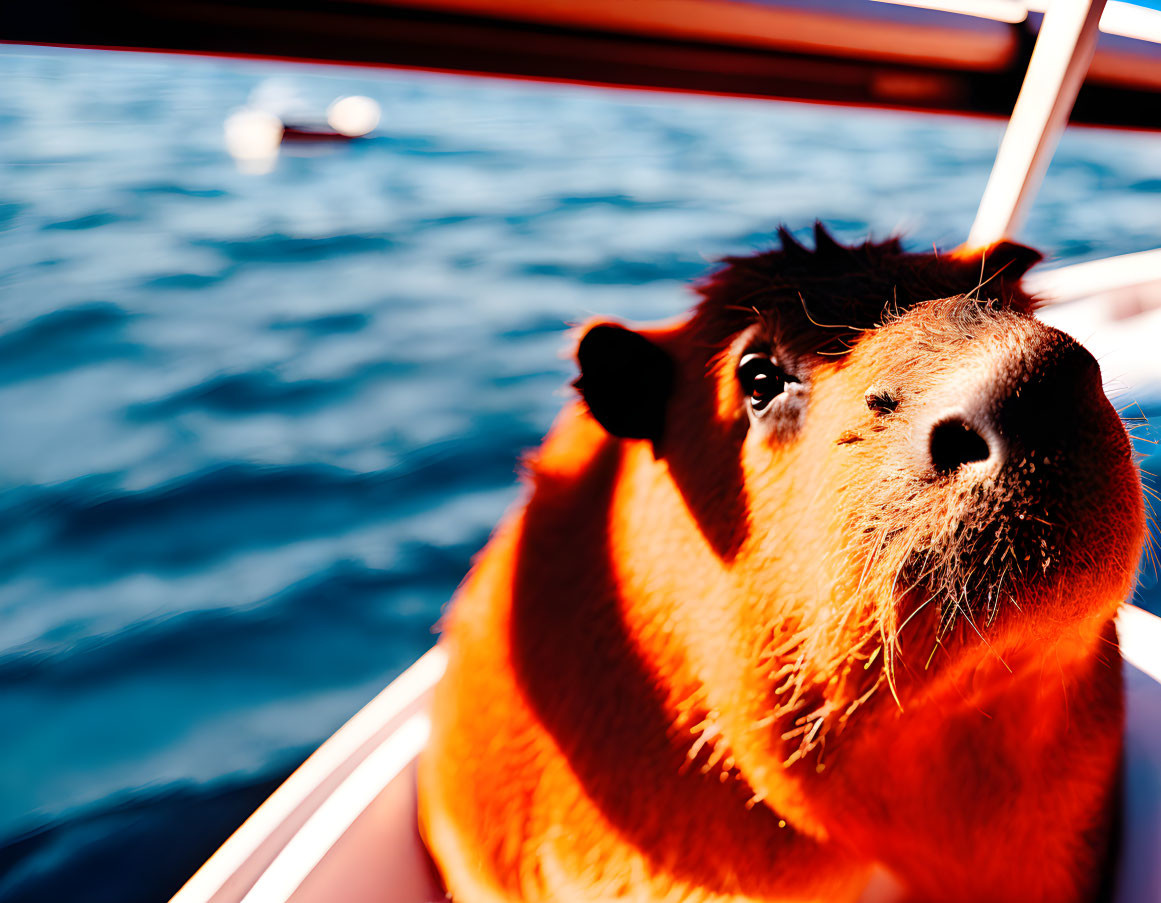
(955, 442)
(1026, 402)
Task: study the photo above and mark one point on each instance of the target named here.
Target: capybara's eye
(762, 380)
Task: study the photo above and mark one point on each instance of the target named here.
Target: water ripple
(278, 248)
(64, 340)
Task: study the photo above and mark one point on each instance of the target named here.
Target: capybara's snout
(1019, 405)
(1017, 465)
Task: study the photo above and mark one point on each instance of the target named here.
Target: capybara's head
(897, 474)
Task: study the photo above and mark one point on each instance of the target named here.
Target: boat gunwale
(235, 870)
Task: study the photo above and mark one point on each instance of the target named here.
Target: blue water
(254, 426)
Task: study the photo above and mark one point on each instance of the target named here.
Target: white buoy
(253, 138)
(353, 116)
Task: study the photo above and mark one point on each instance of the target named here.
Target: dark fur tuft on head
(819, 299)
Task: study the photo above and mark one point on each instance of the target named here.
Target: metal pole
(1060, 59)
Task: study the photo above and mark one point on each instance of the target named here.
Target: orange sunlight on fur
(816, 580)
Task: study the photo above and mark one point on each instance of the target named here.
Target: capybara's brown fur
(817, 581)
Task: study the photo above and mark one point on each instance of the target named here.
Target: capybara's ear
(625, 380)
(1005, 259)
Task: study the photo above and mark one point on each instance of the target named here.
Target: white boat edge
(277, 848)
(343, 826)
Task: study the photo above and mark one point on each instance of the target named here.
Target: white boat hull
(343, 826)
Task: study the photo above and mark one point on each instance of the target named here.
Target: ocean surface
(253, 425)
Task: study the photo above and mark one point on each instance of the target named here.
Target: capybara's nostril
(955, 443)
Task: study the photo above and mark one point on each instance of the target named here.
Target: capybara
(815, 583)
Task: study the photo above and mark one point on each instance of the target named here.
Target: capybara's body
(817, 581)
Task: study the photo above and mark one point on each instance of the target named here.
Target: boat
(344, 826)
(960, 56)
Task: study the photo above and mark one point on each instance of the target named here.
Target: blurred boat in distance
(276, 115)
